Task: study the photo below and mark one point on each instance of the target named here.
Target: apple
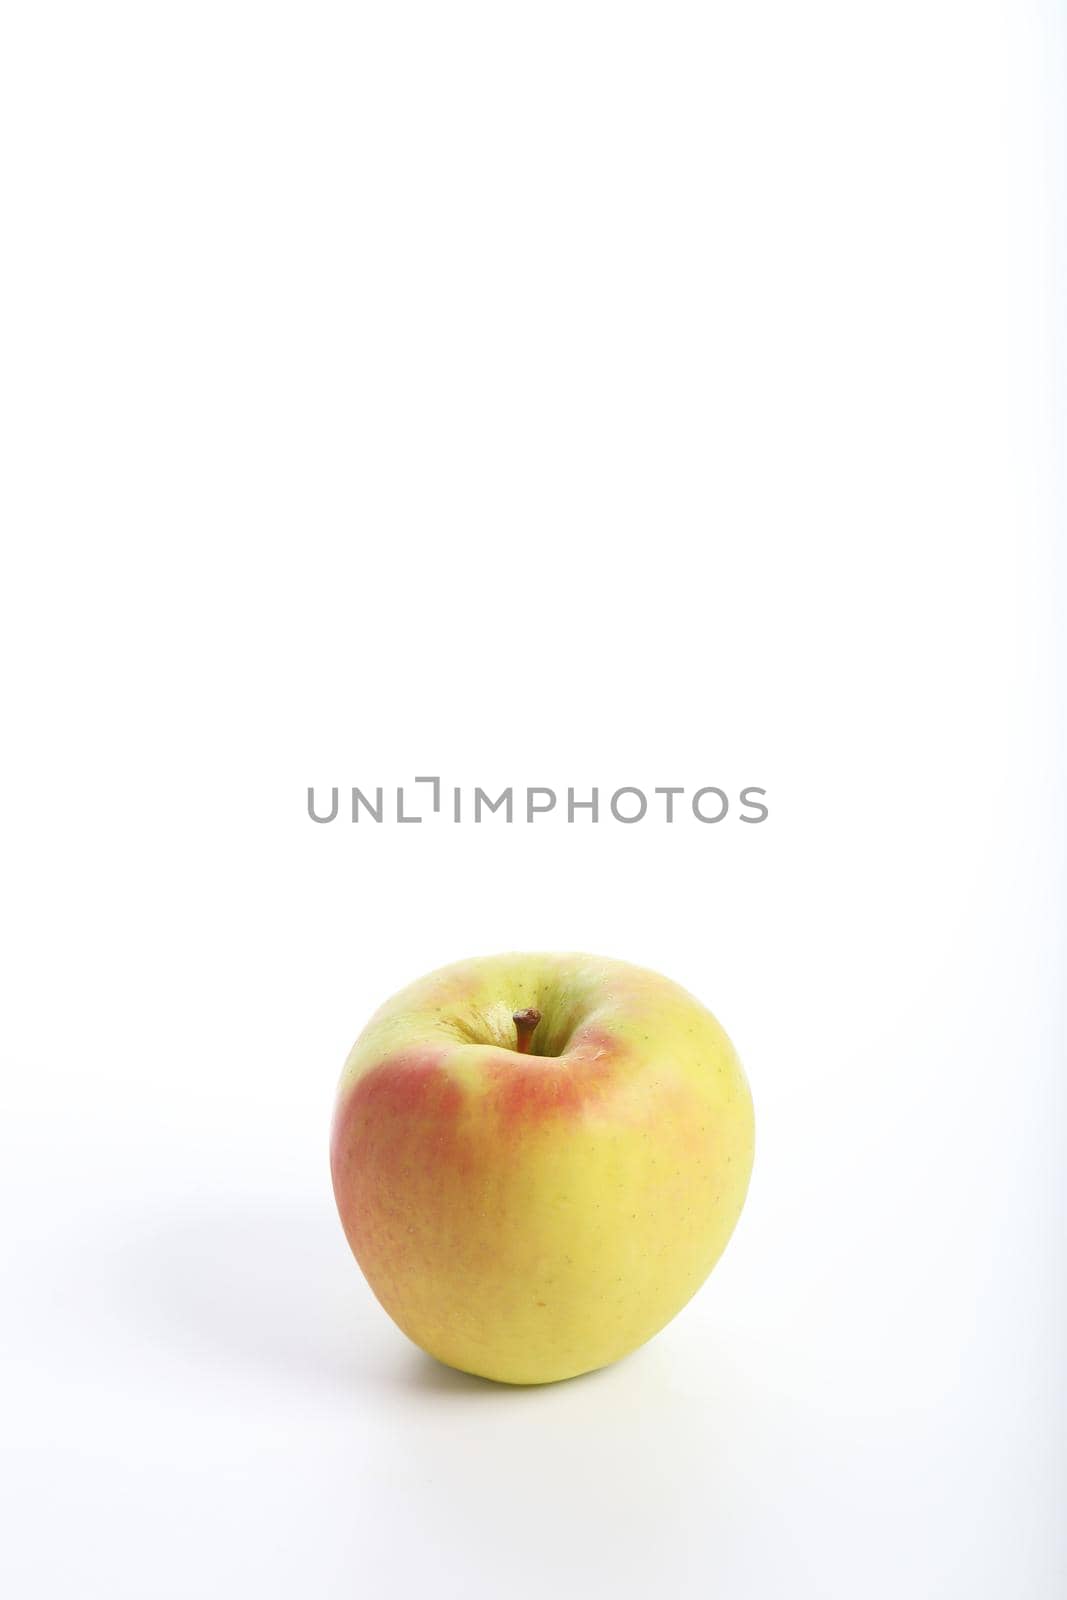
(538, 1159)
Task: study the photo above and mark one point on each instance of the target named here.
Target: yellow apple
(538, 1159)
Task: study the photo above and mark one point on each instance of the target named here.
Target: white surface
(561, 395)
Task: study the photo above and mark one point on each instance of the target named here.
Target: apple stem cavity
(525, 1023)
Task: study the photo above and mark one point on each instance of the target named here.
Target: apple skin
(529, 1217)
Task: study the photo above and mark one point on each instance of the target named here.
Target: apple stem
(525, 1023)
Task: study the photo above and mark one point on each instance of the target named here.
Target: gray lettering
(359, 798)
(436, 790)
(696, 805)
(311, 806)
(491, 805)
(755, 805)
(531, 809)
(617, 814)
(670, 793)
(400, 817)
(574, 805)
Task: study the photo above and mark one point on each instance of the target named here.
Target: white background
(560, 394)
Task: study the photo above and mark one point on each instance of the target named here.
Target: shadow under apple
(270, 1287)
